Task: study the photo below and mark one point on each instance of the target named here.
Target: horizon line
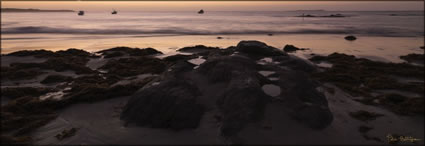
(232, 0)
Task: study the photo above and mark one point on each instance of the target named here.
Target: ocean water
(170, 30)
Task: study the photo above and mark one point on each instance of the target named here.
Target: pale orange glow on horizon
(216, 6)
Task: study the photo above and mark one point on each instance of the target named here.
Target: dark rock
(221, 69)
(335, 15)
(59, 64)
(178, 57)
(350, 73)
(308, 15)
(197, 48)
(130, 51)
(422, 47)
(350, 38)
(56, 79)
(295, 63)
(243, 102)
(72, 52)
(134, 66)
(414, 58)
(165, 106)
(256, 48)
(15, 92)
(25, 114)
(35, 53)
(306, 104)
(66, 133)
(219, 37)
(14, 73)
(95, 88)
(365, 115)
(403, 105)
(114, 54)
(291, 48)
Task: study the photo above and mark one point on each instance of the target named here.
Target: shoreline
(288, 95)
(387, 48)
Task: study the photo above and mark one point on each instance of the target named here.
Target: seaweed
(365, 116)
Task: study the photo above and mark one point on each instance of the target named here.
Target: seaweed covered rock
(24, 114)
(359, 77)
(14, 73)
(221, 69)
(59, 64)
(178, 57)
(243, 102)
(55, 79)
(171, 104)
(35, 53)
(197, 48)
(306, 104)
(119, 51)
(403, 105)
(95, 88)
(15, 92)
(291, 48)
(295, 63)
(414, 58)
(349, 72)
(72, 52)
(134, 66)
(256, 48)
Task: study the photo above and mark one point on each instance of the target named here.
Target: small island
(31, 10)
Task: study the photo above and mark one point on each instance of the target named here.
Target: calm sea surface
(383, 31)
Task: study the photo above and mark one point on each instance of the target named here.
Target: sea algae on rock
(134, 66)
(171, 104)
(35, 53)
(220, 69)
(291, 48)
(14, 73)
(15, 92)
(306, 104)
(55, 79)
(197, 48)
(414, 58)
(242, 102)
(119, 51)
(256, 48)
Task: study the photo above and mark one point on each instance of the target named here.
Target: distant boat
(81, 13)
(114, 12)
(201, 11)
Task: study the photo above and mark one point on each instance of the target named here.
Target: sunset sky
(216, 6)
